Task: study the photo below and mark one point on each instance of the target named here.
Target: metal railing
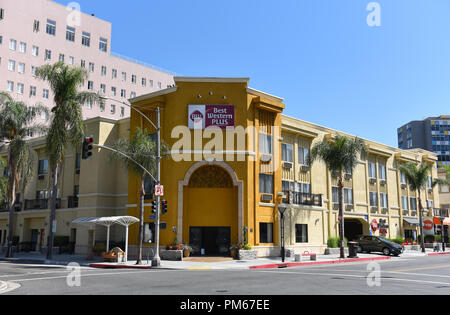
(40, 204)
(442, 213)
(307, 199)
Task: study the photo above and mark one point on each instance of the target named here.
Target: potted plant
(187, 250)
(234, 250)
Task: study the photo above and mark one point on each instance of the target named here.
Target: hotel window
(122, 111)
(266, 184)
(304, 188)
(114, 73)
(71, 60)
(91, 67)
(86, 39)
(102, 107)
(113, 91)
(348, 196)
(372, 170)
(11, 65)
(103, 88)
(265, 233)
(124, 76)
(103, 46)
(301, 233)
(430, 182)
(51, 27)
(382, 171)
(23, 47)
(151, 83)
(1, 40)
(413, 203)
(303, 154)
(45, 93)
(103, 71)
(113, 109)
(2, 14)
(70, 34)
(83, 63)
(429, 203)
(405, 203)
(132, 94)
(144, 82)
(32, 91)
(12, 44)
(48, 54)
(10, 86)
(373, 199)
(33, 71)
(334, 194)
(43, 167)
(133, 79)
(383, 200)
(287, 185)
(265, 144)
(20, 88)
(90, 85)
(287, 152)
(402, 178)
(36, 26)
(42, 194)
(159, 85)
(62, 57)
(35, 51)
(123, 93)
(89, 104)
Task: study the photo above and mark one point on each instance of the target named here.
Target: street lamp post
(156, 261)
(282, 210)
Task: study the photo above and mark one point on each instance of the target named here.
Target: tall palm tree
(417, 177)
(3, 182)
(17, 122)
(66, 126)
(339, 154)
(139, 156)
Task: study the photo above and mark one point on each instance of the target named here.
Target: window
(89, 104)
(113, 109)
(123, 93)
(103, 71)
(265, 233)
(103, 46)
(10, 87)
(43, 167)
(429, 203)
(21, 68)
(287, 185)
(71, 60)
(124, 76)
(42, 194)
(402, 178)
(382, 171)
(430, 182)
(287, 152)
(383, 200)
(45, 93)
(265, 144)
(114, 73)
(2, 14)
(103, 88)
(373, 199)
(151, 83)
(48, 54)
(33, 71)
(20, 88)
(23, 47)
(113, 91)
(91, 67)
(1, 40)
(11, 65)
(301, 233)
(265, 184)
(159, 85)
(413, 203)
(36, 26)
(12, 44)
(90, 85)
(70, 34)
(132, 94)
(122, 111)
(32, 91)
(86, 39)
(334, 194)
(62, 57)
(372, 170)
(144, 82)
(83, 63)
(444, 189)
(35, 51)
(304, 188)
(405, 203)
(133, 79)
(51, 27)
(348, 196)
(303, 154)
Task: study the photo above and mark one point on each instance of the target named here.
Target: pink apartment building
(37, 32)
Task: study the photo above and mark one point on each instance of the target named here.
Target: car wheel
(386, 251)
(360, 249)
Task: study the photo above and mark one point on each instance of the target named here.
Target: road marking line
(199, 268)
(422, 268)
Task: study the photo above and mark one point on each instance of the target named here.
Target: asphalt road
(409, 275)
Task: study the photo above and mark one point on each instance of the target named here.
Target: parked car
(367, 243)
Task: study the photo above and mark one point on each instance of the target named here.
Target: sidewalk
(208, 264)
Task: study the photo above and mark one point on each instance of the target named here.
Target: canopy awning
(412, 221)
(447, 221)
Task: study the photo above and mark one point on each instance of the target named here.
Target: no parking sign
(159, 190)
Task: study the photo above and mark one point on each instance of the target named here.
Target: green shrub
(333, 242)
(398, 240)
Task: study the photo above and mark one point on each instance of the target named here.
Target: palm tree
(66, 126)
(3, 183)
(17, 122)
(417, 177)
(139, 156)
(339, 155)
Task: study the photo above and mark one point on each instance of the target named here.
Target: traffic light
(154, 206)
(163, 206)
(88, 142)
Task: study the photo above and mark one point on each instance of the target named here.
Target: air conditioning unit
(384, 210)
(372, 180)
(287, 165)
(374, 209)
(348, 176)
(335, 206)
(348, 207)
(305, 168)
(430, 190)
(266, 198)
(41, 177)
(405, 212)
(265, 157)
(383, 182)
(403, 186)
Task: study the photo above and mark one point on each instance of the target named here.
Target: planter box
(174, 255)
(247, 254)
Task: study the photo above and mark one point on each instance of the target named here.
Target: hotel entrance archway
(353, 228)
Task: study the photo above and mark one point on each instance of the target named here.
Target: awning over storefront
(447, 221)
(412, 221)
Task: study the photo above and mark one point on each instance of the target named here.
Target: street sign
(159, 190)
(153, 217)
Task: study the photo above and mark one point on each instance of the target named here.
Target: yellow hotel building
(224, 185)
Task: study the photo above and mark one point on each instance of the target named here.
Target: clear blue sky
(321, 56)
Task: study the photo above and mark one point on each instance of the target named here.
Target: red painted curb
(106, 266)
(434, 254)
(318, 262)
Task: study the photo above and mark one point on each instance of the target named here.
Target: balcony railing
(307, 199)
(441, 213)
(72, 202)
(40, 204)
(17, 207)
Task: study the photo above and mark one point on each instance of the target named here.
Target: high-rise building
(38, 32)
(432, 134)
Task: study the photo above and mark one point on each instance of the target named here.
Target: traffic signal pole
(156, 261)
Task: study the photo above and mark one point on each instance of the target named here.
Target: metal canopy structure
(125, 221)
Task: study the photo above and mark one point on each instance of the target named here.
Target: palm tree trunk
(341, 217)
(422, 238)
(141, 221)
(11, 201)
(50, 241)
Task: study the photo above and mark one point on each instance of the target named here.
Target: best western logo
(196, 116)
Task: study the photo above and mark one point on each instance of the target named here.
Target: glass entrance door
(210, 241)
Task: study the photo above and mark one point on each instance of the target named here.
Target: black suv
(369, 244)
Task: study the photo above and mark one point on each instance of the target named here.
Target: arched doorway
(353, 228)
(210, 211)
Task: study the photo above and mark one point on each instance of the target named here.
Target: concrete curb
(435, 254)
(108, 266)
(3, 286)
(296, 264)
(41, 262)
